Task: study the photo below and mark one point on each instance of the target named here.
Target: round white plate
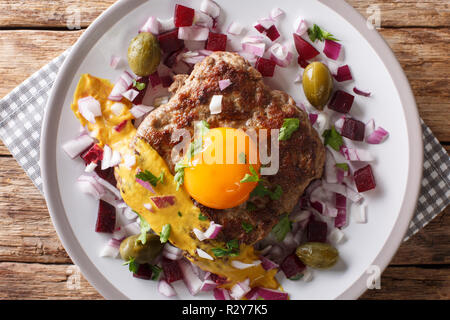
(398, 167)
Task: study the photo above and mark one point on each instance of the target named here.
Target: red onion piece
(257, 49)
(266, 23)
(140, 110)
(203, 254)
(115, 61)
(203, 19)
(172, 253)
(213, 230)
(151, 26)
(121, 126)
(354, 154)
(77, 146)
(166, 288)
(330, 168)
(109, 186)
(166, 25)
(210, 8)
(208, 285)
(215, 106)
(332, 49)
(361, 93)
(89, 185)
(223, 84)
(89, 108)
(281, 55)
(300, 26)
(377, 136)
(130, 94)
(193, 33)
(109, 250)
(276, 13)
(241, 265)
(221, 294)
(163, 201)
(313, 118)
(190, 279)
(240, 289)
(268, 264)
(146, 185)
(235, 28)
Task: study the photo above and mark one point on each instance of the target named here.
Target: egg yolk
(213, 176)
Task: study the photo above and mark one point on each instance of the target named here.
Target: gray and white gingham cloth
(22, 110)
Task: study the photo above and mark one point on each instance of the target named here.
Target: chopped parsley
(251, 206)
(342, 166)
(282, 228)
(145, 227)
(262, 191)
(232, 249)
(242, 158)
(150, 177)
(254, 177)
(247, 227)
(139, 85)
(179, 214)
(290, 125)
(156, 271)
(133, 266)
(165, 233)
(317, 33)
(333, 138)
(201, 217)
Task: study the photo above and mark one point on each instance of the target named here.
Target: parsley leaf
(254, 177)
(342, 166)
(165, 233)
(145, 227)
(276, 195)
(262, 191)
(290, 125)
(282, 228)
(247, 227)
(317, 33)
(138, 85)
(201, 217)
(333, 138)
(156, 271)
(232, 249)
(242, 159)
(133, 266)
(179, 214)
(150, 177)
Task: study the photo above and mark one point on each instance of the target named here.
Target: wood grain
(57, 14)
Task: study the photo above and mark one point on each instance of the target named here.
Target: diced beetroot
(260, 28)
(107, 174)
(302, 63)
(184, 16)
(317, 231)
(106, 218)
(140, 97)
(94, 154)
(292, 266)
(216, 42)
(353, 129)
(172, 270)
(265, 66)
(364, 179)
(121, 125)
(341, 101)
(171, 59)
(272, 33)
(144, 272)
(169, 42)
(343, 74)
(304, 49)
(154, 79)
(166, 81)
(217, 279)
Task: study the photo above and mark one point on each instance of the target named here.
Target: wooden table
(34, 264)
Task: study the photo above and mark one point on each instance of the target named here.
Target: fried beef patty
(247, 103)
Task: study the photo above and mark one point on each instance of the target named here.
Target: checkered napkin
(22, 110)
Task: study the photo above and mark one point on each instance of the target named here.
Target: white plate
(398, 167)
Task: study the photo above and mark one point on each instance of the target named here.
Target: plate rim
(109, 18)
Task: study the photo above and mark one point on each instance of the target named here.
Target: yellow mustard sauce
(135, 195)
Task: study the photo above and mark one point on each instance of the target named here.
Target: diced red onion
(210, 8)
(250, 57)
(360, 214)
(252, 39)
(163, 201)
(140, 110)
(223, 84)
(339, 124)
(268, 264)
(193, 33)
(117, 108)
(90, 167)
(330, 169)
(75, 147)
(116, 158)
(172, 253)
(89, 108)
(203, 19)
(332, 49)
(353, 195)
(151, 25)
(235, 28)
(240, 289)
(266, 23)
(215, 106)
(269, 294)
(146, 185)
(221, 294)
(276, 13)
(199, 234)
(121, 86)
(203, 254)
(354, 154)
(333, 67)
(281, 55)
(148, 206)
(109, 250)
(208, 285)
(130, 94)
(129, 160)
(241, 265)
(166, 288)
(89, 185)
(213, 230)
(133, 228)
(257, 49)
(335, 187)
(108, 186)
(322, 122)
(166, 25)
(190, 279)
(129, 213)
(377, 136)
(336, 236)
(121, 126)
(300, 216)
(361, 93)
(119, 234)
(115, 61)
(300, 26)
(307, 275)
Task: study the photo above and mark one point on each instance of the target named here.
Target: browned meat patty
(247, 103)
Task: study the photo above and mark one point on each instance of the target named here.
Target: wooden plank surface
(33, 263)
